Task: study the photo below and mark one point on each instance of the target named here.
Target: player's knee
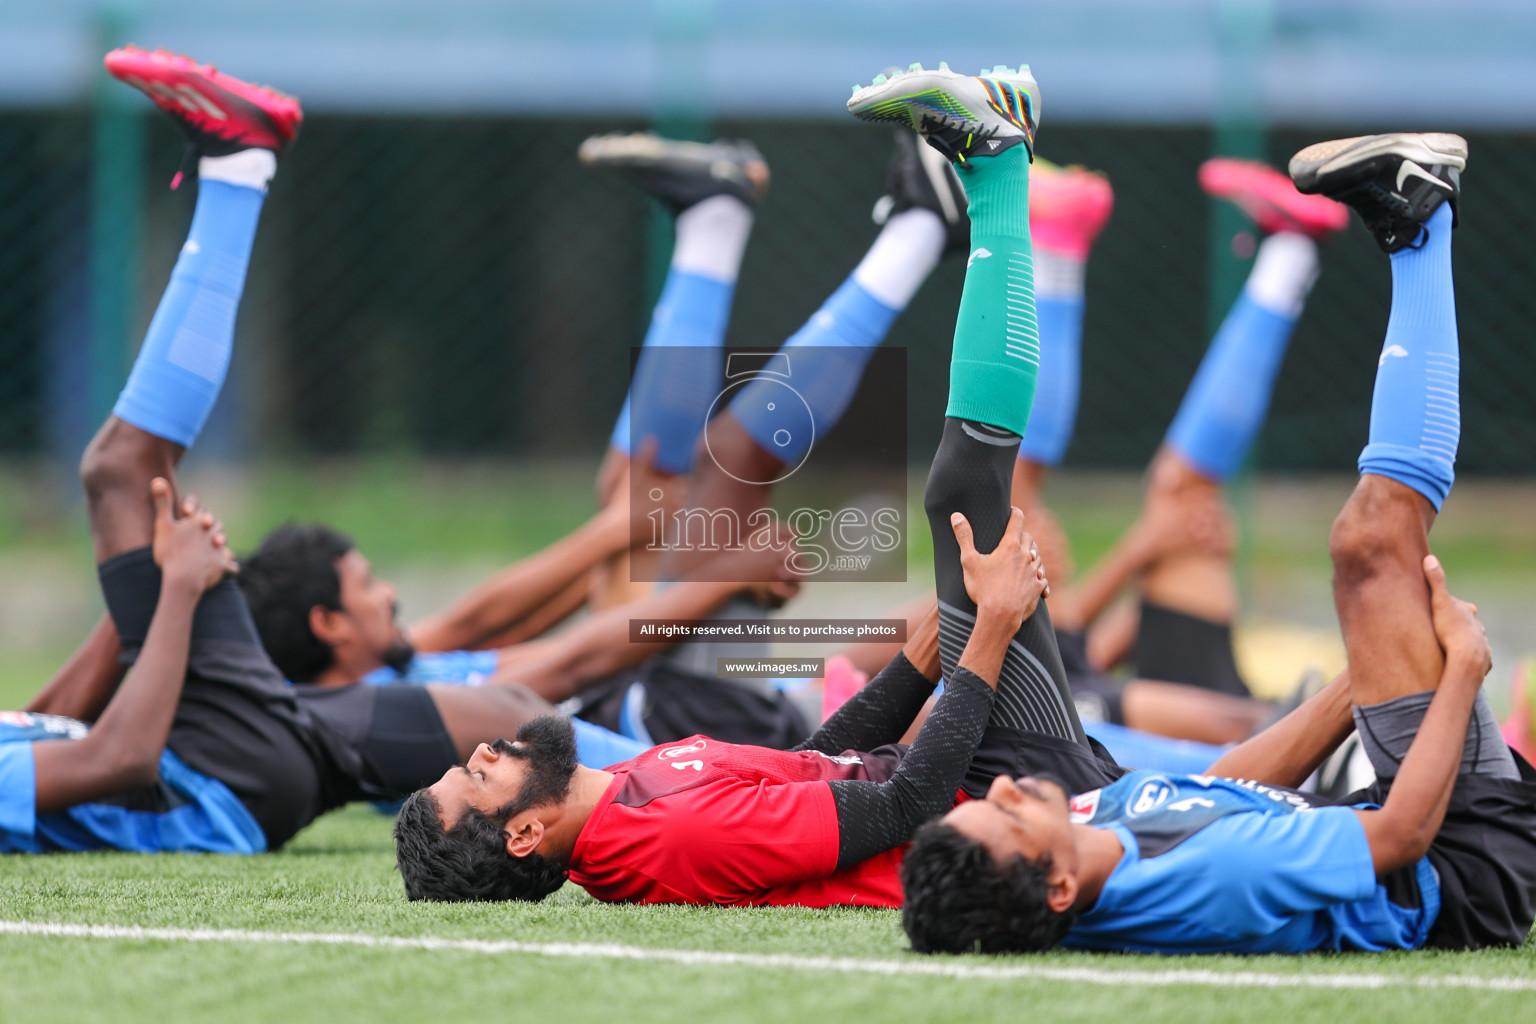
(941, 496)
(1172, 475)
(1370, 535)
(966, 479)
(105, 466)
(123, 457)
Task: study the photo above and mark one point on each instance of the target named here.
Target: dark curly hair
(292, 571)
(470, 860)
(959, 899)
(466, 862)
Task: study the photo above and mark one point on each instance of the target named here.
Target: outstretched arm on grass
(523, 589)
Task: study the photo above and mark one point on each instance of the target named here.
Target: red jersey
(705, 822)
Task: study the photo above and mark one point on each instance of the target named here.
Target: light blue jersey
(449, 668)
(195, 812)
(1225, 866)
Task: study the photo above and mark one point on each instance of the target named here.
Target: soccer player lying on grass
(707, 822)
(68, 786)
(287, 753)
(1440, 851)
(703, 821)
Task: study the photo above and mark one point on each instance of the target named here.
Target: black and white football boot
(679, 173)
(920, 177)
(1393, 181)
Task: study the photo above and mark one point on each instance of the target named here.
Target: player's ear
(326, 624)
(524, 833)
(1063, 890)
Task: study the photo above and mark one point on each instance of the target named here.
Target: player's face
(1028, 817)
(487, 782)
(371, 605)
(503, 779)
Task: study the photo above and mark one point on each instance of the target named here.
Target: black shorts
(1485, 855)
(288, 753)
(1174, 647)
(673, 704)
(1017, 753)
(1099, 697)
(392, 738)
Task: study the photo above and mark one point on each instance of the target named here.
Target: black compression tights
(972, 474)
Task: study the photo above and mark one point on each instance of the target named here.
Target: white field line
(944, 968)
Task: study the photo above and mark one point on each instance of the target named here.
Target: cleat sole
(1312, 165)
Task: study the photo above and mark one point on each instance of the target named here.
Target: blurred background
(435, 335)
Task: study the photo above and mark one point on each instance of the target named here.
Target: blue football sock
(826, 361)
(1416, 408)
(826, 357)
(678, 375)
(181, 366)
(1059, 312)
(1226, 403)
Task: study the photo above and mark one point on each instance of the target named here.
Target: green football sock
(996, 355)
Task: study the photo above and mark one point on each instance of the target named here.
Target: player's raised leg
(753, 443)
(827, 356)
(1406, 189)
(986, 125)
(712, 191)
(237, 130)
(1190, 599)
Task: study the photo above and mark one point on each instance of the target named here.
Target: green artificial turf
(338, 877)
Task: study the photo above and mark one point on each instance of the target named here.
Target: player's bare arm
(123, 750)
(1187, 521)
(1291, 749)
(522, 589)
(1400, 833)
(560, 666)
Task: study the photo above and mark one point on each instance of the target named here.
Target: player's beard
(400, 651)
(548, 746)
(399, 654)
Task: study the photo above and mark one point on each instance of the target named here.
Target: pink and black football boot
(1068, 207)
(219, 113)
(1270, 199)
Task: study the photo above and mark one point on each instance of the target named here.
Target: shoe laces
(946, 136)
(189, 156)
